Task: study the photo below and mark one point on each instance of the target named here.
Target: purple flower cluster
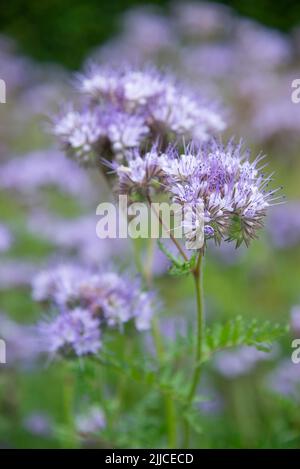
(247, 64)
(231, 188)
(88, 302)
(124, 110)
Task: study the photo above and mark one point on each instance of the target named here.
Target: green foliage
(178, 266)
(240, 331)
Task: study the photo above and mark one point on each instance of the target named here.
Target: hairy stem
(174, 240)
(197, 274)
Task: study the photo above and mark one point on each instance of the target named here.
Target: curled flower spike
(221, 178)
(139, 173)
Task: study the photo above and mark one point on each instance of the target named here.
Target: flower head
(87, 302)
(220, 179)
(73, 331)
(128, 108)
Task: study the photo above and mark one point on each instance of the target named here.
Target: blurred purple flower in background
(283, 225)
(203, 20)
(75, 331)
(21, 343)
(285, 379)
(16, 273)
(123, 108)
(28, 173)
(239, 362)
(39, 424)
(295, 320)
(91, 421)
(5, 238)
(77, 236)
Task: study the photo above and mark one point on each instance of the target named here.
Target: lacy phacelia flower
(221, 179)
(79, 132)
(88, 301)
(123, 109)
(73, 331)
(139, 173)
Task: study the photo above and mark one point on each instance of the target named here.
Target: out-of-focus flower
(295, 320)
(38, 424)
(17, 71)
(21, 344)
(88, 301)
(77, 237)
(5, 238)
(212, 403)
(260, 46)
(149, 29)
(202, 19)
(15, 273)
(241, 361)
(79, 132)
(42, 169)
(125, 109)
(285, 379)
(275, 118)
(91, 421)
(283, 225)
(75, 331)
(226, 253)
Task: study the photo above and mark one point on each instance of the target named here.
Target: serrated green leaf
(240, 331)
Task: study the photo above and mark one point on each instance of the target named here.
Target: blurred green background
(65, 31)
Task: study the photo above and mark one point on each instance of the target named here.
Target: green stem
(200, 329)
(68, 399)
(197, 274)
(172, 237)
(170, 409)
